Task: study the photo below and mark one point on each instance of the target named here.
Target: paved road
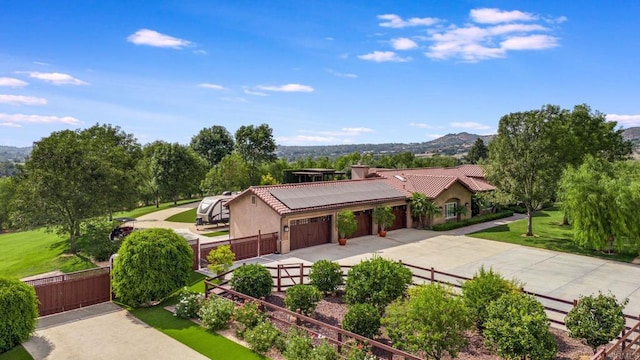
(102, 332)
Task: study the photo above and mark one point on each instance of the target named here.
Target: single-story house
(304, 214)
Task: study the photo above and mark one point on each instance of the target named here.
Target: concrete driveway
(103, 331)
(559, 275)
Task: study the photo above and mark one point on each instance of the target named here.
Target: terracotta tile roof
(332, 188)
(433, 181)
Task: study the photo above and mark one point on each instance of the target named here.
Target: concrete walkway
(103, 331)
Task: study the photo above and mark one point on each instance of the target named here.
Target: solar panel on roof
(302, 197)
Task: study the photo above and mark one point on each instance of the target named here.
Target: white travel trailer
(212, 210)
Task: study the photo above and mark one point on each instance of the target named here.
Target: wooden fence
(287, 275)
(244, 248)
(71, 291)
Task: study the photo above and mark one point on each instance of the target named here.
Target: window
(450, 210)
(253, 200)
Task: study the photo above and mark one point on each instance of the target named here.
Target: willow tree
(602, 199)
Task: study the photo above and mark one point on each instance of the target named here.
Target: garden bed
(332, 309)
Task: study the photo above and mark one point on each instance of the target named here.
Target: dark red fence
(244, 248)
(71, 291)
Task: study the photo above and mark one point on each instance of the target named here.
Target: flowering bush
(247, 317)
(263, 337)
(216, 313)
(188, 304)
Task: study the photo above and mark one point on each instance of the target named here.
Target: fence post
(624, 342)
(433, 275)
(259, 242)
(575, 302)
(339, 342)
(301, 273)
(278, 281)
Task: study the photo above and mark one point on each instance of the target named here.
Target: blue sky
(318, 72)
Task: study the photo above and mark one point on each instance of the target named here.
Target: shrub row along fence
(244, 248)
(287, 275)
(72, 291)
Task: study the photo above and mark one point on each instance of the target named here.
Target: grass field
(152, 208)
(17, 353)
(33, 252)
(549, 234)
(217, 233)
(188, 216)
(191, 334)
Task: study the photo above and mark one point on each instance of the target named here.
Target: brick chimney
(359, 172)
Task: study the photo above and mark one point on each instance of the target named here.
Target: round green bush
(188, 304)
(518, 328)
(151, 264)
(597, 319)
(253, 280)
(302, 297)
(485, 288)
(362, 319)
(18, 312)
(263, 337)
(216, 313)
(299, 346)
(247, 316)
(326, 276)
(377, 282)
(324, 351)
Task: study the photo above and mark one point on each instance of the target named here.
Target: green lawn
(33, 252)
(193, 335)
(17, 353)
(549, 234)
(152, 208)
(188, 216)
(217, 233)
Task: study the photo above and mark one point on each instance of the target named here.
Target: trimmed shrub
(326, 276)
(253, 280)
(596, 319)
(263, 337)
(94, 239)
(216, 313)
(18, 312)
(220, 259)
(303, 297)
(188, 304)
(324, 351)
(376, 281)
(299, 346)
(362, 319)
(151, 264)
(472, 221)
(430, 321)
(485, 287)
(247, 316)
(518, 328)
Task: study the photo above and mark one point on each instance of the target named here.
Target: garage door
(310, 232)
(364, 224)
(400, 222)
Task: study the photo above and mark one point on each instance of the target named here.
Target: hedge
(472, 221)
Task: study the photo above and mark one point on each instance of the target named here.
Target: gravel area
(332, 309)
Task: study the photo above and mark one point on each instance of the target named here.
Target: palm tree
(422, 207)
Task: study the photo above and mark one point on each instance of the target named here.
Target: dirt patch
(332, 309)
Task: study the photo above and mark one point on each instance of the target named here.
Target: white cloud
(435, 136)
(286, 88)
(305, 139)
(423, 126)
(200, 52)
(344, 135)
(255, 93)
(495, 16)
(395, 21)
(344, 75)
(470, 125)
(212, 86)
(403, 43)
(383, 56)
(156, 39)
(531, 42)
(16, 120)
(57, 78)
(625, 120)
(329, 38)
(12, 82)
(234, 99)
(355, 131)
(22, 100)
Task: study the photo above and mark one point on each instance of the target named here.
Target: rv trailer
(212, 210)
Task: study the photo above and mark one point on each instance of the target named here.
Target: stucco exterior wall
(246, 218)
(456, 191)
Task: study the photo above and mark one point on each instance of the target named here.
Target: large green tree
(603, 199)
(7, 193)
(72, 176)
(213, 144)
(256, 145)
(478, 151)
(176, 170)
(521, 159)
(231, 174)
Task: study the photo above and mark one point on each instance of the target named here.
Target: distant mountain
(632, 134)
(14, 154)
